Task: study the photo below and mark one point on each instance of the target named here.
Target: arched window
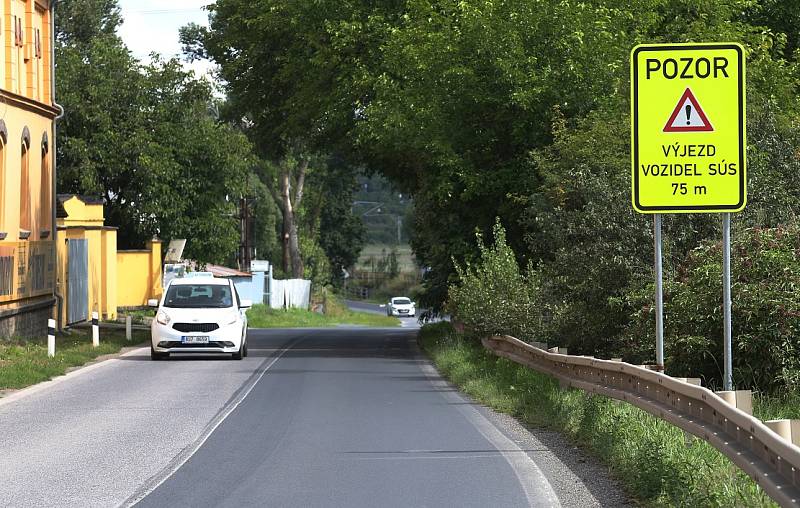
(45, 190)
(25, 184)
(3, 178)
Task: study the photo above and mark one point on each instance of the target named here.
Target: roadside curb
(100, 361)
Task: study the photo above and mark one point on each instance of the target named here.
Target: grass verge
(25, 363)
(651, 458)
(261, 316)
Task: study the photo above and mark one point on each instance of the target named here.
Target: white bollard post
(128, 328)
(51, 338)
(95, 329)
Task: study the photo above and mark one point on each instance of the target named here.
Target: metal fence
(766, 455)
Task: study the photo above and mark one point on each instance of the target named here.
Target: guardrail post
(51, 337)
(95, 329)
(740, 399)
(128, 328)
(787, 429)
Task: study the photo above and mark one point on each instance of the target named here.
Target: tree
(293, 70)
(145, 138)
(290, 177)
(342, 234)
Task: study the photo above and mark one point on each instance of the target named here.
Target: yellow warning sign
(688, 128)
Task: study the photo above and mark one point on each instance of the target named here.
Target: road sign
(688, 128)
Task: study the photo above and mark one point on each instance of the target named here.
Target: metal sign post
(659, 294)
(727, 381)
(688, 147)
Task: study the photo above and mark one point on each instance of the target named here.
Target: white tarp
(292, 293)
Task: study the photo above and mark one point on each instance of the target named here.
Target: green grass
(650, 457)
(25, 363)
(261, 316)
(138, 315)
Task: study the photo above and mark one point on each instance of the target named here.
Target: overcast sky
(152, 25)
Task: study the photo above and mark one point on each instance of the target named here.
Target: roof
(199, 280)
(223, 271)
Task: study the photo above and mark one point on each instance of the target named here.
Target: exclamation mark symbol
(688, 114)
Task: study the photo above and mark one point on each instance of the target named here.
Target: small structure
(87, 260)
(250, 286)
(93, 276)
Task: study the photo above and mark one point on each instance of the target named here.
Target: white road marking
(175, 464)
(537, 489)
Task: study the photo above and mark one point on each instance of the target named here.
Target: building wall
(26, 198)
(139, 276)
(250, 288)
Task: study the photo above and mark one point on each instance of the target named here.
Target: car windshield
(198, 296)
(401, 301)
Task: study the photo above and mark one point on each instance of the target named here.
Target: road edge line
(50, 383)
(188, 452)
(538, 490)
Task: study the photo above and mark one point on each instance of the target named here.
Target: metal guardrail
(771, 460)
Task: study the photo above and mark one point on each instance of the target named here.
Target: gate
(77, 281)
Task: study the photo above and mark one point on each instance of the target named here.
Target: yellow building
(93, 276)
(27, 197)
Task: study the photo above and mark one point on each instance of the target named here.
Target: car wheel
(155, 355)
(245, 352)
(241, 353)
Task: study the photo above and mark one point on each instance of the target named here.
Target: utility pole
(399, 229)
(246, 235)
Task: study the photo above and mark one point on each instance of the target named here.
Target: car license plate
(194, 339)
(403, 311)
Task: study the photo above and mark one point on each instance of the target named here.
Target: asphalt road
(338, 417)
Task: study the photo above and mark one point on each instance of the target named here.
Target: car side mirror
(414, 304)
(246, 304)
(152, 303)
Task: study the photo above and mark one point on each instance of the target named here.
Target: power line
(166, 11)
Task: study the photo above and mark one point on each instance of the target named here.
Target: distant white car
(199, 315)
(401, 307)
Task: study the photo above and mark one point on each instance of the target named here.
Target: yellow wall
(134, 288)
(85, 221)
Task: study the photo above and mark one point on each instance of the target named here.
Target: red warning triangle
(688, 116)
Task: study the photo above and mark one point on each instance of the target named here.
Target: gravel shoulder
(578, 478)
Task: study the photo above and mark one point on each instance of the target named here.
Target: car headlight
(233, 320)
(163, 318)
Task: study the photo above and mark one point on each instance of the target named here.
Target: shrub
(765, 276)
(494, 296)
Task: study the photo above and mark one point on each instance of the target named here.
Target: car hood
(403, 305)
(180, 315)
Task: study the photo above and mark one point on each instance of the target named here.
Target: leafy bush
(765, 277)
(494, 296)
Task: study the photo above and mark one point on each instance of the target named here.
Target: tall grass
(653, 459)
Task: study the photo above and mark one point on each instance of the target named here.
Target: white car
(401, 307)
(199, 315)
